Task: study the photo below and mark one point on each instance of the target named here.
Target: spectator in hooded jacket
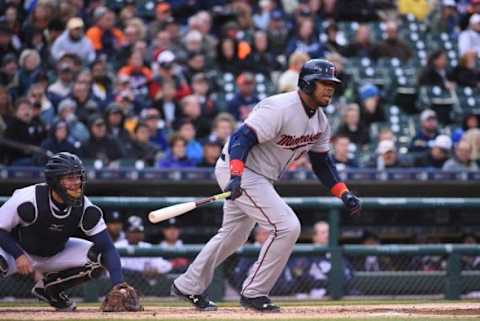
(56, 142)
(73, 41)
(100, 145)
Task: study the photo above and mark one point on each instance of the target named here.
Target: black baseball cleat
(259, 304)
(60, 301)
(200, 302)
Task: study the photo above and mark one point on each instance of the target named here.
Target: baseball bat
(179, 209)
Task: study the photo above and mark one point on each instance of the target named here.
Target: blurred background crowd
(163, 83)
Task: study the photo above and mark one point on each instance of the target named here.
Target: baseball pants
(259, 203)
(74, 255)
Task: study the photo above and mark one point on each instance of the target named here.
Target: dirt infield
(442, 311)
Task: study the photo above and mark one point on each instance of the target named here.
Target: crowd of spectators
(164, 83)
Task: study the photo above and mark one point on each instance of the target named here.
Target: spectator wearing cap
(387, 157)
(168, 70)
(352, 127)
(392, 46)
(192, 111)
(427, 132)
(114, 222)
(141, 272)
(171, 235)
(9, 73)
(372, 263)
(361, 45)
(56, 142)
(157, 133)
(73, 41)
(277, 33)
(222, 127)
(187, 131)
(25, 132)
(115, 121)
(101, 146)
(289, 79)
(62, 87)
(469, 39)
(176, 156)
(371, 110)
(201, 89)
(103, 35)
(245, 98)
(140, 148)
(462, 158)
(66, 112)
(305, 40)
(211, 152)
(437, 155)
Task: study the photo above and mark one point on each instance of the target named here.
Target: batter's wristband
(236, 167)
(338, 189)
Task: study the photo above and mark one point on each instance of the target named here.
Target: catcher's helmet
(63, 164)
(314, 70)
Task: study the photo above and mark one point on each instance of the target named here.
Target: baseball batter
(279, 130)
(36, 228)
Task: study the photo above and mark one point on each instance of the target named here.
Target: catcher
(36, 228)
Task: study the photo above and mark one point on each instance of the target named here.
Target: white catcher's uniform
(74, 254)
(285, 133)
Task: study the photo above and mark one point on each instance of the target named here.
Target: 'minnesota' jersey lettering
(284, 133)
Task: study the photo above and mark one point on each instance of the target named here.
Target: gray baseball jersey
(284, 133)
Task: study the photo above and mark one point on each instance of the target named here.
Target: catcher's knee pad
(66, 279)
(3, 267)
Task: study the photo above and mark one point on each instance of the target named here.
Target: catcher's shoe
(60, 301)
(200, 302)
(260, 304)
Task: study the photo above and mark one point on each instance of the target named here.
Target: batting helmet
(60, 165)
(314, 70)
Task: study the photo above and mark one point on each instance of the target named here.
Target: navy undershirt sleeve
(325, 169)
(110, 258)
(9, 245)
(242, 140)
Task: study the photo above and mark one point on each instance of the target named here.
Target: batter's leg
(234, 232)
(261, 202)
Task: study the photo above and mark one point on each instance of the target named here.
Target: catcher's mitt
(122, 297)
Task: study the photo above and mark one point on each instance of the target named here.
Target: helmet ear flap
(307, 86)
